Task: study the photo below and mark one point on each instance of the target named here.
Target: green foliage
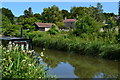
(11, 30)
(5, 21)
(65, 14)
(91, 45)
(19, 64)
(78, 11)
(51, 14)
(99, 8)
(28, 13)
(87, 25)
(60, 25)
(8, 13)
(53, 30)
(111, 52)
(38, 16)
(28, 23)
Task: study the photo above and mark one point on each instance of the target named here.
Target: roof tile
(43, 24)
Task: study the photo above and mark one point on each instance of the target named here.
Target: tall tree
(5, 21)
(99, 8)
(8, 13)
(38, 16)
(28, 23)
(99, 15)
(52, 14)
(28, 13)
(65, 14)
(86, 24)
(78, 11)
(118, 22)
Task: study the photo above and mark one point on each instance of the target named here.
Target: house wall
(46, 29)
(41, 28)
(69, 25)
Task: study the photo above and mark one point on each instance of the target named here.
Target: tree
(92, 11)
(111, 25)
(38, 16)
(20, 19)
(65, 14)
(53, 30)
(60, 25)
(28, 23)
(118, 23)
(99, 8)
(52, 15)
(86, 24)
(8, 13)
(99, 15)
(78, 11)
(28, 13)
(5, 21)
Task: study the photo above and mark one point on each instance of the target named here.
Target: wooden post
(21, 32)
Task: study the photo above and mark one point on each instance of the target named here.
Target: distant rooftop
(69, 20)
(47, 25)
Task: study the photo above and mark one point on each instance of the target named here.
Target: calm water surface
(71, 65)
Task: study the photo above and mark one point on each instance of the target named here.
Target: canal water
(71, 65)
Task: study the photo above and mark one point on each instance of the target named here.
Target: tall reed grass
(88, 45)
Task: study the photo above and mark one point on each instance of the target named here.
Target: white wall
(46, 29)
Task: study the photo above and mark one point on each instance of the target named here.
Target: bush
(84, 44)
(18, 64)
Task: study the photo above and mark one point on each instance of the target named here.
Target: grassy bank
(106, 48)
(17, 64)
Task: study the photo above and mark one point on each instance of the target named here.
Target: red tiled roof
(69, 20)
(43, 24)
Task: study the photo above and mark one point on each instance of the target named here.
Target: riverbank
(92, 46)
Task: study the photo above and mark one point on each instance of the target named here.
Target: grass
(91, 45)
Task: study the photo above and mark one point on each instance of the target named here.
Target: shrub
(18, 64)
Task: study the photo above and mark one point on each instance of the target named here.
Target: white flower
(30, 64)
(39, 78)
(23, 60)
(4, 59)
(43, 49)
(42, 54)
(8, 50)
(14, 44)
(31, 51)
(4, 48)
(23, 50)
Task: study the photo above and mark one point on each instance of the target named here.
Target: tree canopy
(86, 24)
(28, 13)
(52, 14)
(8, 13)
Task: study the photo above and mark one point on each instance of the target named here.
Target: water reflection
(68, 65)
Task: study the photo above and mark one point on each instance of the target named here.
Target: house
(43, 26)
(69, 23)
